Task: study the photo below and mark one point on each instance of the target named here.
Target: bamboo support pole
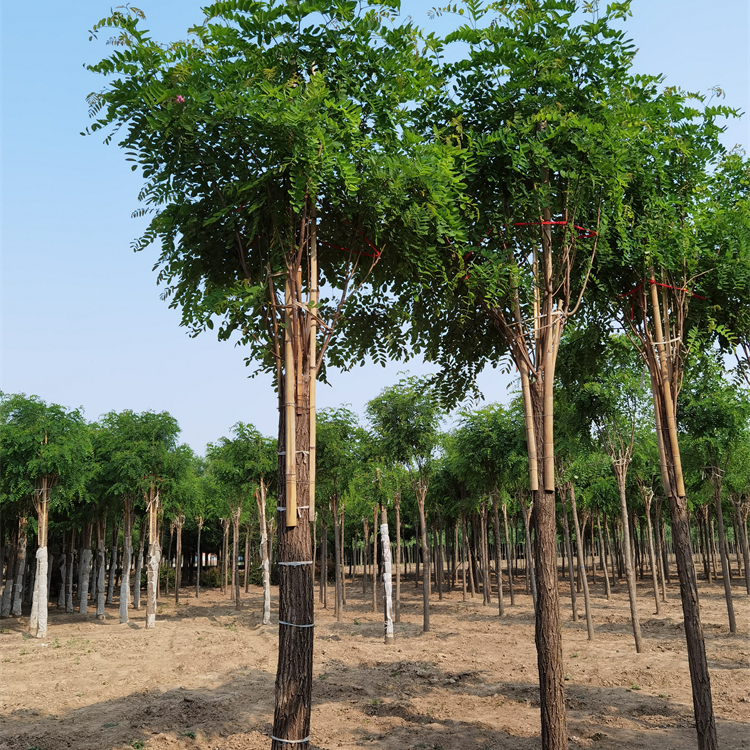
(312, 313)
(667, 391)
(289, 426)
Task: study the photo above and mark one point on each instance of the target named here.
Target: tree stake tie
(294, 624)
(299, 509)
(295, 564)
(291, 742)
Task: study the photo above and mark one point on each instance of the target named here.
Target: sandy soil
(204, 677)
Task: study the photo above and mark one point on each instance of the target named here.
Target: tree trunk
(265, 562)
(324, 565)
(581, 562)
(659, 550)
(62, 564)
(621, 473)
(463, 557)
(38, 619)
(508, 556)
(603, 557)
(529, 562)
(113, 563)
(498, 560)
(69, 579)
(569, 557)
(101, 564)
(20, 567)
(294, 672)
(236, 557)
(741, 538)
(421, 492)
(397, 508)
(337, 567)
(716, 478)
(365, 554)
(199, 524)
(484, 553)
(374, 569)
(154, 556)
(248, 533)
(647, 495)
(127, 556)
(139, 564)
(385, 542)
(84, 566)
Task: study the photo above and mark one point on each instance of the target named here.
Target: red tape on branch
(640, 284)
(583, 233)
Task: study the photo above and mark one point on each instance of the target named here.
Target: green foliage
(405, 418)
(37, 441)
(135, 452)
(269, 112)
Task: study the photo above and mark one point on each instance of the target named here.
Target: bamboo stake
(289, 428)
(667, 391)
(530, 432)
(312, 313)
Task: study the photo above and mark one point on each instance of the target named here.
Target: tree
(278, 149)
(715, 415)
(336, 452)
(539, 104)
(46, 453)
(405, 418)
(136, 461)
(675, 278)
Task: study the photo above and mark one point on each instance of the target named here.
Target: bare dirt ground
(204, 677)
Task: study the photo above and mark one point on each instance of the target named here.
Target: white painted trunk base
(387, 582)
(38, 622)
(125, 583)
(84, 576)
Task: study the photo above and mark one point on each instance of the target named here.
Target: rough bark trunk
(247, 559)
(199, 561)
(725, 573)
(69, 579)
(581, 563)
(569, 557)
(235, 556)
(603, 557)
(101, 565)
(139, 564)
(337, 568)
(421, 492)
(397, 508)
(20, 567)
(621, 473)
(508, 556)
(296, 597)
(324, 565)
(7, 602)
(113, 563)
(529, 562)
(498, 556)
(485, 556)
(646, 495)
(375, 560)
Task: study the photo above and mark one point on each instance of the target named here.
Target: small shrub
(211, 578)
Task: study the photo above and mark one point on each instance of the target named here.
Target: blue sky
(82, 322)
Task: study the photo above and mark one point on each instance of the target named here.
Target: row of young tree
(325, 186)
(607, 467)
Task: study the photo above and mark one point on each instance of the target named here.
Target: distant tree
(406, 418)
(46, 453)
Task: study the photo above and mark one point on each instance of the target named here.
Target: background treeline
(84, 489)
